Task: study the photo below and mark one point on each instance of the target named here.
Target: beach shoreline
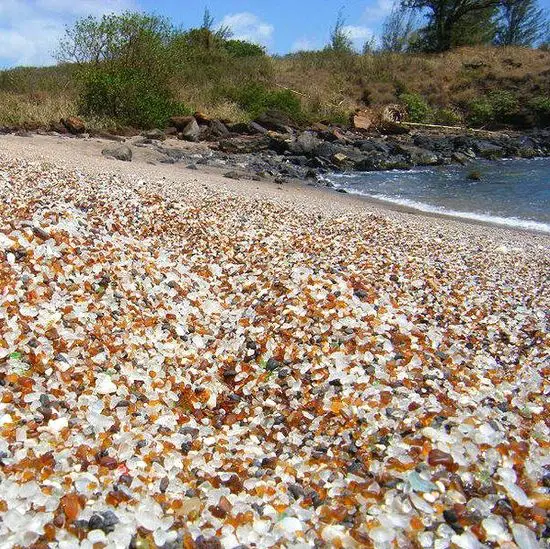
(85, 155)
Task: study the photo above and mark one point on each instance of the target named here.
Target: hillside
(480, 87)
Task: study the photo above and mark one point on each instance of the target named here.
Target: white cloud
(377, 12)
(247, 26)
(358, 34)
(304, 44)
(30, 29)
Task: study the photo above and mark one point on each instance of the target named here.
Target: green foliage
(454, 23)
(340, 40)
(256, 99)
(398, 30)
(520, 23)
(540, 107)
(130, 37)
(480, 112)
(497, 108)
(241, 48)
(417, 108)
(447, 117)
(504, 104)
(126, 62)
(127, 95)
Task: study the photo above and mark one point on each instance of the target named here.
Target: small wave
(486, 218)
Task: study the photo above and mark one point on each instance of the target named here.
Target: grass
(328, 85)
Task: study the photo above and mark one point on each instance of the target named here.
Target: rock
(201, 118)
(393, 128)
(191, 132)
(488, 150)
(181, 122)
(363, 120)
(218, 129)
(340, 158)
(279, 143)
(275, 121)
(105, 521)
(244, 144)
(123, 153)
(58, 127)
(256, 128)
(74, 125)
(110, 137)
(306, 143)
(233, 175)
(382, 162)
(460, 157)
(157, 134)
(418, 156)
(272, 364)
(319, 127)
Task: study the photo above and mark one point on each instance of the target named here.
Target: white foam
(514, 222)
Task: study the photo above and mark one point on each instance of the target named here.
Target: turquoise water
(514, 193)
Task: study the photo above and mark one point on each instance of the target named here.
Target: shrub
(497, 108)
(417, 108)
(447, 117)
(504, 104)
(257, 99)
(480, 112)
(540, 107)
(128, 96)
(241, 48)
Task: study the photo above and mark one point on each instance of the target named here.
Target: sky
(30, 29)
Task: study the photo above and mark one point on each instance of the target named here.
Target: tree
(475, 28)
(520, 23)
(124, 37)
(125, 64)
(398, 30)
(447, 19)
(340, 40)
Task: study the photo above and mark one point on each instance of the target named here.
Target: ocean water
(515, 193)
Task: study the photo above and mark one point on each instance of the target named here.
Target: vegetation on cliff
(138, 70)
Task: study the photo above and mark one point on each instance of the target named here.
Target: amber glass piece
(71, 506)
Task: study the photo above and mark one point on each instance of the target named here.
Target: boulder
(244, 144)
(319, 127)
(275, 121)
(279, 143)
(181, 122)
(418, 156)
(123, 153)
(201, 118)
(306, 143)
(381, 162)
(488, 150)
(74, 125)
(256, 128)
(218, 129)
(392, 128)
(364, 120)
(191, 132)
(157, 134)
(58, 127)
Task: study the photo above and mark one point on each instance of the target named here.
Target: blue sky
(30, 29)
